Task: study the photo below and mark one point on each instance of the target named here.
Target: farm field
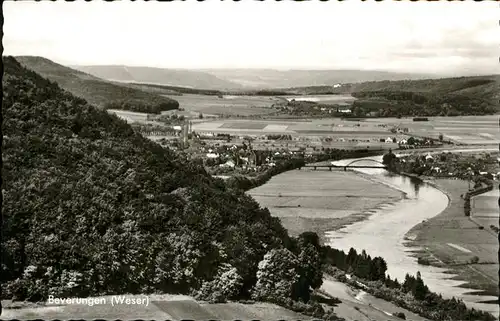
(129, 116)
(322, 127)
(454, 239)
(474, 130)
(229, 105)
(484, 208)
(321, 200)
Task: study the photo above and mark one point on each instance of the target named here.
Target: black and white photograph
(250, 160)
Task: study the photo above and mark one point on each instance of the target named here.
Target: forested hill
(91, 207)
(433, 97)
(96, 91)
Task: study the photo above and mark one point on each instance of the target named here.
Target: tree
(378, 266)
(200, 116)
(226, 285)
(310, 270)
(408, 284)
(419, 290)
(440, 137)
(276, 276)
(389, 159)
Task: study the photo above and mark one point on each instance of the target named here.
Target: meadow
(228, 105)
(454, 240)
(484, 208)
(474, 130)
(322, 200)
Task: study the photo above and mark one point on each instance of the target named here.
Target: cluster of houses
(458, 166)
(242, 156)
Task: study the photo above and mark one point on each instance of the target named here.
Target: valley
(237, 135)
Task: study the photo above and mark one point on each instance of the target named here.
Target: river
(383, 233)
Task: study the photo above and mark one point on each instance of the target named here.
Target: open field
(159, 307)
(452, 239)
(322, 201)
(484, 208)
(229, 105)
(475, 130)
(322, 127)
(130, 116)
(480, 130)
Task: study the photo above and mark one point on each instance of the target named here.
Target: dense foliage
(92, 208)
(175, 89)
(412, 294)
(141, 107)
(246, 183)
(361, 265)
(88, 201)
(426, 97)
(97, 91)
(394, 104)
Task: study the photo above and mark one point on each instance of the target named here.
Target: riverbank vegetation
(476, 167)
(366, 273)
(247, 182)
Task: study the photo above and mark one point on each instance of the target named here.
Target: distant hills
(233, 79)
(97, 91)
(270, 78)
(382, 93)
(434, 97)
(160, 76)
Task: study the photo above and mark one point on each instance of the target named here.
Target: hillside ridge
(95, 90)
(160, 76)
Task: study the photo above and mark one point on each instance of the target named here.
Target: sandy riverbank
(451, 240)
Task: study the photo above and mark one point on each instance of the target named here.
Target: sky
(442, 37)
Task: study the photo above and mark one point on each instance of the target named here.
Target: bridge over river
(377, 164)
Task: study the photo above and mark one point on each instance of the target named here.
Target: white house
(403, 142)
(212, 155)
(388, 140)
(177, 128)
(429, 157)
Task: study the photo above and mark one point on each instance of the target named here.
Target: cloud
(404, 36)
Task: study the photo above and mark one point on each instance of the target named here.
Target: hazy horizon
(444, 39)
